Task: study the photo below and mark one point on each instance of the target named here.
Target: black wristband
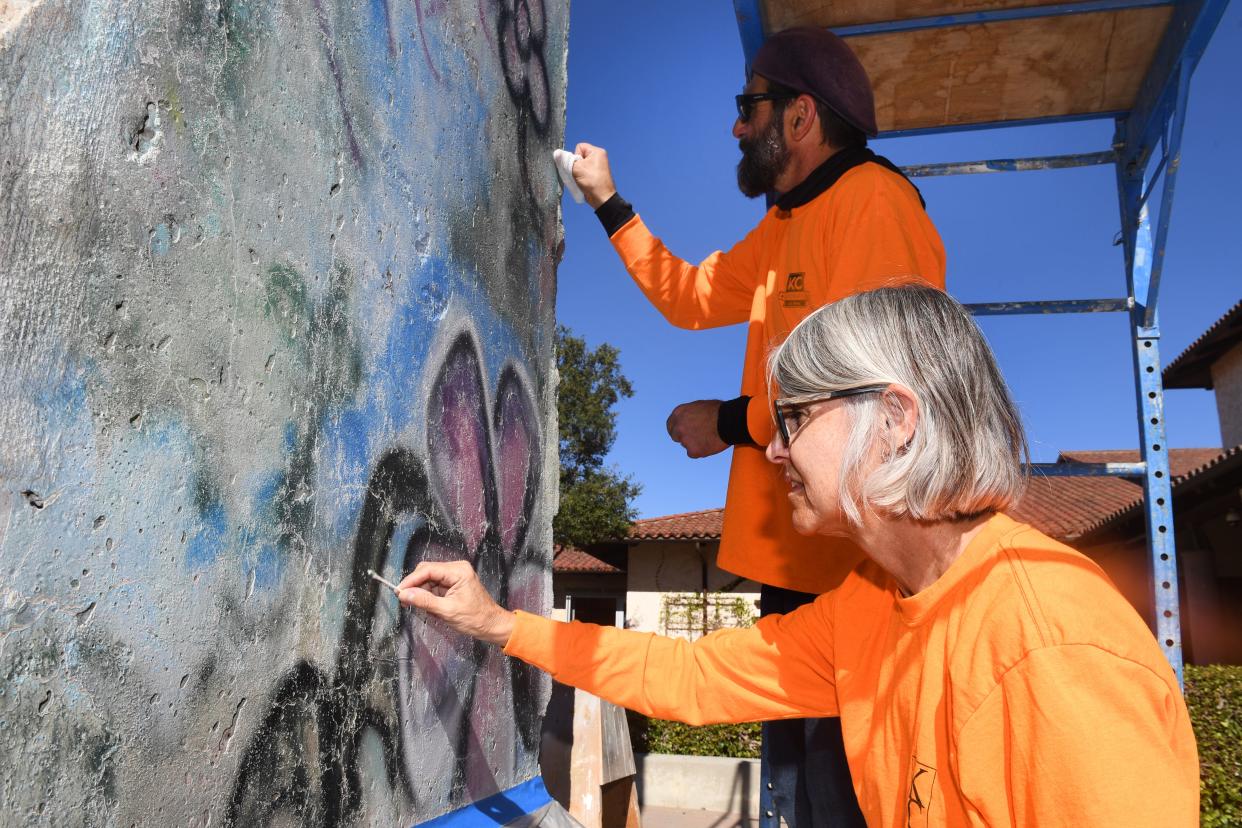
(731, 422)
(614, 213)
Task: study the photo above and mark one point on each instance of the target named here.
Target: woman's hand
(451, 592)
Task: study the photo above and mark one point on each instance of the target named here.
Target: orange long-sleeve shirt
(865, 231)
(1018, 689)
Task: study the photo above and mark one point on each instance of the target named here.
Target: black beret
(817, 62)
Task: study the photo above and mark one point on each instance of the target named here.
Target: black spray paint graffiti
(450, 719)
(522, 31)
(522, 28)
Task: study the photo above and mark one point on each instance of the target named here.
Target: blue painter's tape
(498, 809)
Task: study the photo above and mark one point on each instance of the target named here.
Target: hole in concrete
(145, 133)
(84, 617)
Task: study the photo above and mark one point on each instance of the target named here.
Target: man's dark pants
(810, 780)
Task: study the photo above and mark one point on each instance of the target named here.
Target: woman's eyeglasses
(789, 414)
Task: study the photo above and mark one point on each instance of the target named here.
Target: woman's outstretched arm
(780, 668)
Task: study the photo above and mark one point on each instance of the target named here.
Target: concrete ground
(686, 818)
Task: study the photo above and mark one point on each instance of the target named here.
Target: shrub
(1214, 697)
(737, 741)
(699, 613)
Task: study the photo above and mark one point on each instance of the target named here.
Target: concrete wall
(657, 569)
(1227, 385)
(276, 308)
(709, 783)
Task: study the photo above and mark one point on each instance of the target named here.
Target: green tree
(596, 501)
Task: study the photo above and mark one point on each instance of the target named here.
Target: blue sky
(653, 83)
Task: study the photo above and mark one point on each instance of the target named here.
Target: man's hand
(451, 592)
(693, 424)
(593, 175)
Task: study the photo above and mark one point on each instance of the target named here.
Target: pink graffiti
(462, 725)
(457, 442)
(422, 38)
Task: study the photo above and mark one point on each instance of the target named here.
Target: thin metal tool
(383, 580)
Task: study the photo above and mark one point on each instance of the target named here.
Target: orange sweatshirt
(865, 231)
(1018, 689)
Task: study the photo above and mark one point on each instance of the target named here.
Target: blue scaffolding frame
(1150, 131)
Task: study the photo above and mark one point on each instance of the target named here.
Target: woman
(984, 673)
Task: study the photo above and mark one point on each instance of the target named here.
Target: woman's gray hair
(965, 457)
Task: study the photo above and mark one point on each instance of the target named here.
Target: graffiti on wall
(454, 718)
(278, 310)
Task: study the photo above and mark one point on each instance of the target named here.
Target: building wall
(1227, 382)
(569, 586)
(276, 309)
(1209, 573)
(659, 569)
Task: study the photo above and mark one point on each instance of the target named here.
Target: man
(843, 220)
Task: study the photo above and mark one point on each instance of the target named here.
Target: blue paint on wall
(161, 240)
(207, 543)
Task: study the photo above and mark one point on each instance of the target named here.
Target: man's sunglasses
(785, 410)
(746, 103)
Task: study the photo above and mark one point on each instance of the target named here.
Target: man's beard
(763, 160)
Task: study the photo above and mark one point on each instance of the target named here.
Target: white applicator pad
(565, 169)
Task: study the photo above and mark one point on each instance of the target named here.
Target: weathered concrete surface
(276, 286)
(711, 783)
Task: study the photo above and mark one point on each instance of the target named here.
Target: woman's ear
(901, 415)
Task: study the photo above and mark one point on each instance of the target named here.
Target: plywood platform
(935, 75)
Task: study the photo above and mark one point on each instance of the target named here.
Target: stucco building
(662, 578)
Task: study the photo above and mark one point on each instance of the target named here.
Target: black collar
(830, 172)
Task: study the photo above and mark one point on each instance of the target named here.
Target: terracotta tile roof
(1182, 480)
(1062, 507)
(570, 559)
(704, 525)
(1192, 368)
(1181, 461)
(1066, 508)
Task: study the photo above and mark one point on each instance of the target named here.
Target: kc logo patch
(922, 791)
(794, 294)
